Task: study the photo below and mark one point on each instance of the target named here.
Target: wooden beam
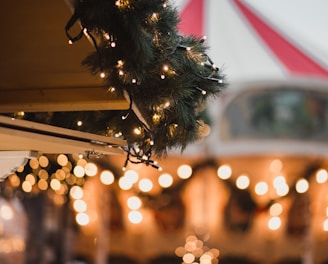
(18, 134)
(60, 99)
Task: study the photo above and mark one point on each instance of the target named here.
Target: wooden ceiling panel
(35, 56)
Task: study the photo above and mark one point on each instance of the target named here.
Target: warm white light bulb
(107, 177)
(261, 188)
(134, 202)
(321, 176)
(302, 185)
(135, 217)
(145, 185)
(242, 182)
(165, 180)
(224, 172)
(184, 171)
(274, 223)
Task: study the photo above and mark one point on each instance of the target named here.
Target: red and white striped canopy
(261, 39)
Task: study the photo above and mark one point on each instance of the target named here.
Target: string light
(103, 40)
(137, 131)
(261, 188)
(201, 90)
(302, 185)
(224, 172)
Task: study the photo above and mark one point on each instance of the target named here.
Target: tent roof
(256, 40)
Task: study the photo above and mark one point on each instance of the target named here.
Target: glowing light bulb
(79, 206)
(125, 183)
(135, 217)
(184, 172)
(111, 89)
(137, 131)
(132, 175)
(134, 202)
(279, 181)
(76, 192)
(119, 63)
(125, 116)
(107, 177)
(321, 176)
(276, 166)
(325, 225)
(165, 180)
(274, 223)
(102, 75)
(6, 212)
(156, 117)
(91, 169)
(62, 160)
(145, 185)
(242, 182)
(188, 258)
(82, 219)
(261, 188)
(302, 186)
(282, 190)
(276, 209)
(79, 171)
(224, 172)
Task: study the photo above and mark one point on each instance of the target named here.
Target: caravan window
(287, 113)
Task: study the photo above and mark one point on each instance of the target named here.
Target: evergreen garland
(166, 77)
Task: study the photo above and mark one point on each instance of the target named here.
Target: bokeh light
(79, 206)
(321, 176)
(62, 160)
(145, 185)
(224, 172)
(107, 177)
(242, 182)
(274, 223)
(261, 188)
(184, 171)
(276, 209)
(76, 192)
(134, 202)
(165, 180)
(82, 219)
(90, 169)
(135, 217)
(302, 185)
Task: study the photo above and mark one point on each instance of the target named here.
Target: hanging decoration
(166, 77)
